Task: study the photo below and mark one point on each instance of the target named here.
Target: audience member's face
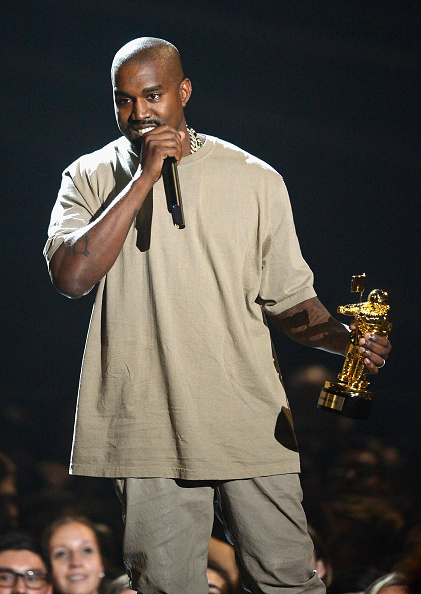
(21, 562)
(217, 584)
(76, 559)
(357, 471)
(8, 493)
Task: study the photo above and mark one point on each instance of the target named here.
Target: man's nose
(20, 586)
(141, 109)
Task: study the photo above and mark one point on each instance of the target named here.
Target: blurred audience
(120, 585)
(77, 563)
(391, 583)
(360, 495)
(218, 579)
(9, 509)
(353, 580)
(23, 568)
(321, 562)
(410, 562)
(363, 531)
(221, 555)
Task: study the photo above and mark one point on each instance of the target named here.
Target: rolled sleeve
(286, 277)
(74, 208)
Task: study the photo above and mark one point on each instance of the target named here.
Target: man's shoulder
(106, 156)
(228, 151)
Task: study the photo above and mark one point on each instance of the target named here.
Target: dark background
(325, 92)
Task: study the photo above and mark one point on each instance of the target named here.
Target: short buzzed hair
(148, 48)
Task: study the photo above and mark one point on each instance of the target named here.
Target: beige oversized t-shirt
(178, 378)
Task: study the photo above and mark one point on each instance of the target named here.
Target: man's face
(147, 95)
(22, 562)
(217, 584)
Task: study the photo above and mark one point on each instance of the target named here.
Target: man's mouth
(142, 128)
(143, 131)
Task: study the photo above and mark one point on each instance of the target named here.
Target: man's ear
(185, 91)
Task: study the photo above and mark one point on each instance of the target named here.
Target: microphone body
(172, 191)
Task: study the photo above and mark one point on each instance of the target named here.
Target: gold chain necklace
(195, 142)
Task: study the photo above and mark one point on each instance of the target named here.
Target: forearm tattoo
(310, 323)
(80, 247)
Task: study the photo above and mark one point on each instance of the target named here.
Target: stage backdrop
(326, 92)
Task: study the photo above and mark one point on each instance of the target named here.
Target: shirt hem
(181, 473)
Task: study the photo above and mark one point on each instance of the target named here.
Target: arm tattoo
(80, 247)
(310, 323)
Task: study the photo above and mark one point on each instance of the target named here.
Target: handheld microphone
(172, 191)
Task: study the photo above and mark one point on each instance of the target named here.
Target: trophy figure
(349, 396)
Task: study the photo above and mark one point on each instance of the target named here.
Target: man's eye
(123, 101)
(59, 554)
(34, 578)
(6, 578)
(154, 96)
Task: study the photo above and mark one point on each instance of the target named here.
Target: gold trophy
(349, 396)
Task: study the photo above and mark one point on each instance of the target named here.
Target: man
(23, 570)
(218, 580)
(179, 397)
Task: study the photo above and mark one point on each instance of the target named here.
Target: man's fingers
(376, 344)
(375, 349)
(372, 368)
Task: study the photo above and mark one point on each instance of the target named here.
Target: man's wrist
(143, 184)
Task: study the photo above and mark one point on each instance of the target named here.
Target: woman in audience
(77, 563)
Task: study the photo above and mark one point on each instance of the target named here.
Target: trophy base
(346, 401)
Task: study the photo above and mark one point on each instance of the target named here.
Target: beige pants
(169, 524)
